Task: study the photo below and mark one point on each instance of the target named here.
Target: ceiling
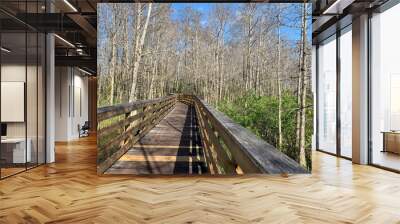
(330, 15)
(73, 21)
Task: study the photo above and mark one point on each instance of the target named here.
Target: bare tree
(220, 55)
(278, 78)
(303, 86)
(138, 49)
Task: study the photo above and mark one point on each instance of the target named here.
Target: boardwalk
(171, 147)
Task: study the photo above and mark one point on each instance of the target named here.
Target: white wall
(62, 81)
(16, 73)
(12, 73)
(80, 89)
(71, 86)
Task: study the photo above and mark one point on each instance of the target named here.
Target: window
(346, 92)
(327, 95)
(385, 89)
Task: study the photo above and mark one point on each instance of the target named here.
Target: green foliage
(260, 115)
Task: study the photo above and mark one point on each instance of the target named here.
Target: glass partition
(327, 95)
(22, 77)
(13, 92)
(346, 92)
(385, 89)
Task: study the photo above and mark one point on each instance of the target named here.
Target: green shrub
(260, 115)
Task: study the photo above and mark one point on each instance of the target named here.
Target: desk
(391, 141)
(13, 150)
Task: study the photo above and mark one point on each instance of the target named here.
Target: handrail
(121, 126)
(228, 147)
(231, 148)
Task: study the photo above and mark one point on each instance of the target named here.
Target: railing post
(144, 110)
(127, 126)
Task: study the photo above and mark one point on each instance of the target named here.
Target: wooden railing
(121, 126)
(230, 148)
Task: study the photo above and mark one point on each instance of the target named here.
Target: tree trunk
(303, 89)
(278, 78)
(299, 89)
(112, 69)
(138, 53)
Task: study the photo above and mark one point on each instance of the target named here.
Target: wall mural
(204, 88)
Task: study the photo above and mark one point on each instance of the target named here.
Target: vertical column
(338, 91)
(92, 90)
(314, 91)
(50, 92)
(360, 90)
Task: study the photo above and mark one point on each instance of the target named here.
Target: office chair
(84, 130)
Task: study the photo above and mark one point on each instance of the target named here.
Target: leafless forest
(221, 54)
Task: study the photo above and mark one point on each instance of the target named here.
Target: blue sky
(291, 34)
(203, 7)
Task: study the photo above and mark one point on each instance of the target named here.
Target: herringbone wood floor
(69, 191)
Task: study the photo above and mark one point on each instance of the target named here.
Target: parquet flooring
(8, 171)
(70, 191)
(172, 147)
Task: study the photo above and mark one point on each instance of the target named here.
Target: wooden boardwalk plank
(171, 147)
(160, 158)
(161, 151)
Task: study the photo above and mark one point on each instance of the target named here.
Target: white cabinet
(19, 155)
